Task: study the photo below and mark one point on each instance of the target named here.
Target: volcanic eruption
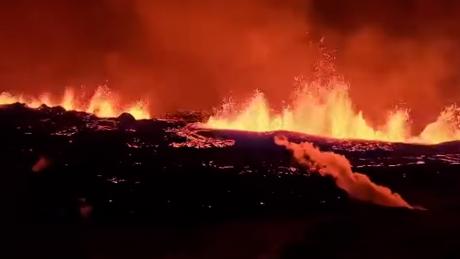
(103, 102)
(339, 120)
(323, 107)
(357, 185)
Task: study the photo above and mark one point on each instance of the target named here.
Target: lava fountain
(102, 103)
(324, 108)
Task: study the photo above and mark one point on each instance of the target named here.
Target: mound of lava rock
(64, 165)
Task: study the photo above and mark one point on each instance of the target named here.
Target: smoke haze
(192, 54)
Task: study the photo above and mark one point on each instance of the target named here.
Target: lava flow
(357, 185)
(326, 109)
(102, 103)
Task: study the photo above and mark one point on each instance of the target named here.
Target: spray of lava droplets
(102, 103)
(328, 111)
(323, 107)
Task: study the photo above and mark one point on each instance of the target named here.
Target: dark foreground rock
(76, 186)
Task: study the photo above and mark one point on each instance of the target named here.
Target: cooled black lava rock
(164, 189)
(125, 169)
(126, 120)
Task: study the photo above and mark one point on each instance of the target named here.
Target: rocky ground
(76, 186)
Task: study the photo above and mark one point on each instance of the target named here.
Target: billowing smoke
(357, 185)
(190, 54)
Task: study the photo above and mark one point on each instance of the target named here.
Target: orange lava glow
(358, 186)
(326, 109)
(102, 103)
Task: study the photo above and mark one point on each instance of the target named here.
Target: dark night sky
(191, 54)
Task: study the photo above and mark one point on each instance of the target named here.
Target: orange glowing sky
(193, 54)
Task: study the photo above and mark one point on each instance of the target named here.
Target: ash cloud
(191, 54)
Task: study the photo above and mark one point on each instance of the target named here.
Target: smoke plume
(357, 185)
(191, 54)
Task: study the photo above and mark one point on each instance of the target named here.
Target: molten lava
(326, 109)
(357, 185)
(102, 103)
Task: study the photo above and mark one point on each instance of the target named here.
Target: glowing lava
(357, 185)
(326, 109)
(102, 103)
